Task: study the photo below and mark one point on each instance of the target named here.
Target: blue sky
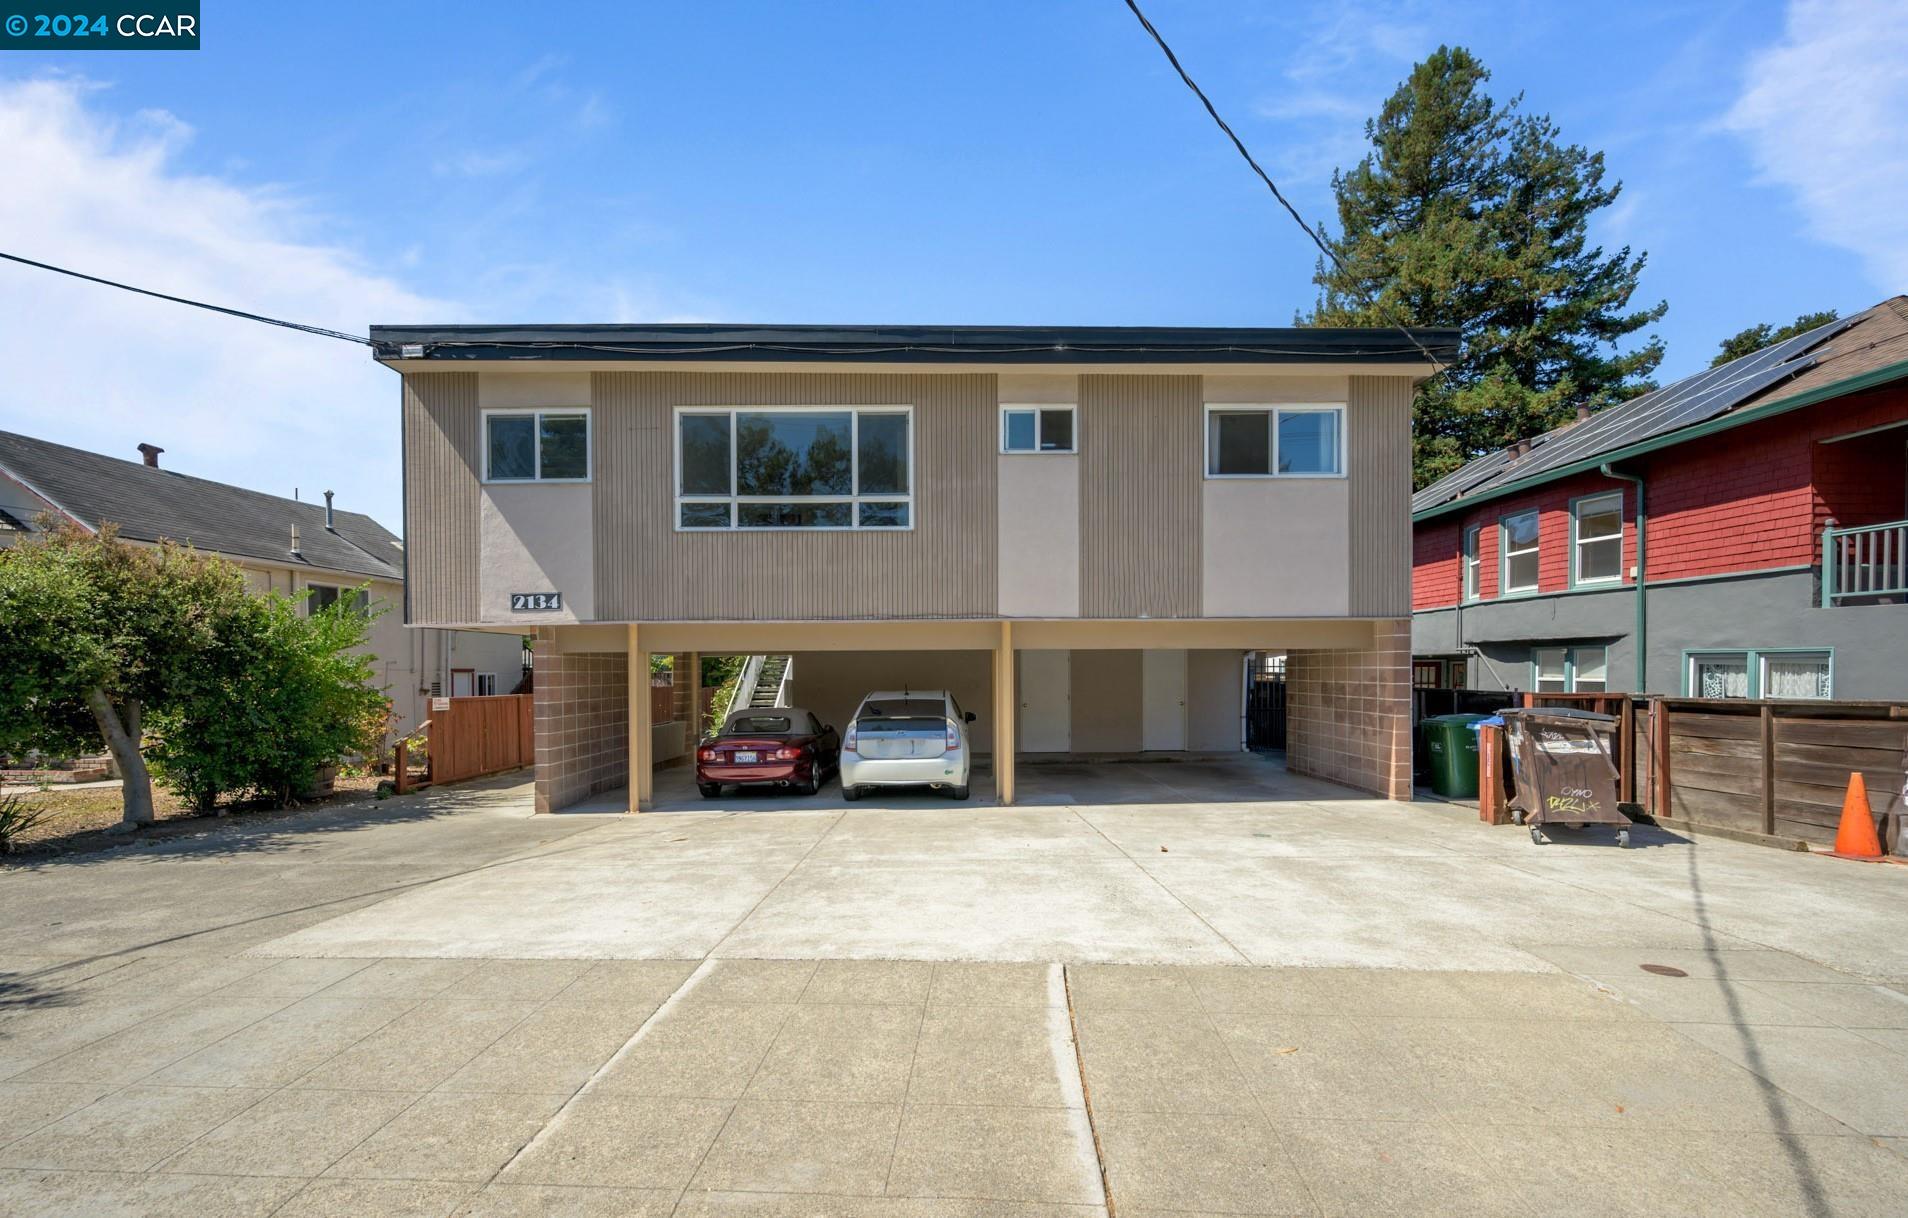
(956, 162)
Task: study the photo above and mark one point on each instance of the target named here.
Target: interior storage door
(1046, 702)
(1163, 694)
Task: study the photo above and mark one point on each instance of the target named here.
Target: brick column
(582, 723)
(1348, 712)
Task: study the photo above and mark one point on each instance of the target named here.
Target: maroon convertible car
(775, 746)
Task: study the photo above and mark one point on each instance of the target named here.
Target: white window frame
(479, 680)
(1471, 563)
(1579, 508)
(1272, 411)
(535, 414)
(1756, 665)
(1039, 425)
(1504, 554)
(734, 500)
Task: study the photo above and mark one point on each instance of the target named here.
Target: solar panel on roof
(1681, 404)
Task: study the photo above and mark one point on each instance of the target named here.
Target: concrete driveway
(1298, 1006)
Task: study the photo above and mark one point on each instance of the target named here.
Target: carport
(1066, 694)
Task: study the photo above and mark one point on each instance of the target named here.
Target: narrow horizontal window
(537, 446)
(1036, 429)
(1795, 674)
(1262, 441)
(794, 467)
(1719, 674)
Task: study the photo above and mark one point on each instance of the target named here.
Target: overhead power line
(197, 304)
(1265, 177)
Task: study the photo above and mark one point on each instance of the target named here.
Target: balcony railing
(1869, 563)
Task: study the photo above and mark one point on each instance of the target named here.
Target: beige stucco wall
(1275, 547)
(1039, 535)
(538, 539)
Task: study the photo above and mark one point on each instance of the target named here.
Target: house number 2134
(530, 602)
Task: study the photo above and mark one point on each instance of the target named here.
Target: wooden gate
(473, 736)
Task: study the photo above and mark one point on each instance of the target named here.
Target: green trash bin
(1450, 741)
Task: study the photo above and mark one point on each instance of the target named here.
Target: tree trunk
(123, 744)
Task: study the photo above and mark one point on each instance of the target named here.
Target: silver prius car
(908, 738)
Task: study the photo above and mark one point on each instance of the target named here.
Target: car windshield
(905, 708)
(761, 725)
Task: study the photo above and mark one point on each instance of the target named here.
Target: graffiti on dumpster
(1569, 801)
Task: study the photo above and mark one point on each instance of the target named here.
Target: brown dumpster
(1560, 761)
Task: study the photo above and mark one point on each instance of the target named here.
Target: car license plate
(747, 758)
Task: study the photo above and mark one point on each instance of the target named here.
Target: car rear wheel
(709, 790)
(959, 792)
(851, 794)
(811, 786)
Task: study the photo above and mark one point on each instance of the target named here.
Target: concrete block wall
(1348, 713)
(582, 724)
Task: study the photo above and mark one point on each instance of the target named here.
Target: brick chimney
(151, 453)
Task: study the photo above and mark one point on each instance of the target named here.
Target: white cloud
(228, 399)
(1824, 112)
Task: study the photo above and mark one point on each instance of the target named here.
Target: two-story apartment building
(1740, 533)
(294, 547)
(1079, 531)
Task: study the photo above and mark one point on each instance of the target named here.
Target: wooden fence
(1775, 770)
(473, 736)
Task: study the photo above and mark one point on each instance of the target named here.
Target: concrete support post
(642, 769)
(1006, 702)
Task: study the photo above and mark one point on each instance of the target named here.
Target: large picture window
(795, 467)
(537, 445)
(1274, 441)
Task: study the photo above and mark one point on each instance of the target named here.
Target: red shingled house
(1765, 502)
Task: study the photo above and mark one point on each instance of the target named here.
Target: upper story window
(1037, 429)
(1274, 441)
(1596, 525)
(322, 597)
(1518, 542)
(1473, 568)
(537, 445)
(795, 467)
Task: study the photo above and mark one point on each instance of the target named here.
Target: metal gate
(1265, 711)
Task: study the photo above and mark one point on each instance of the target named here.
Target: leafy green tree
(275, 699)
(1755, 338)
(95, 635)
(1470, 213)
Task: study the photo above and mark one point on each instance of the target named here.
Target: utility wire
(1265, 177)
(197, 304)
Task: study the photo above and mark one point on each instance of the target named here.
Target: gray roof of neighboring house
(153, 504)
(922, 344)
(1849, 353)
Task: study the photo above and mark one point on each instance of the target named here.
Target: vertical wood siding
(441, 517)
(647, 571)
(1378, 463)
(1141, 452)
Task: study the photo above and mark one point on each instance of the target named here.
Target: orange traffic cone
(1855, 837)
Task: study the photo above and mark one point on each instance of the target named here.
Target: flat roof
(730, 343)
